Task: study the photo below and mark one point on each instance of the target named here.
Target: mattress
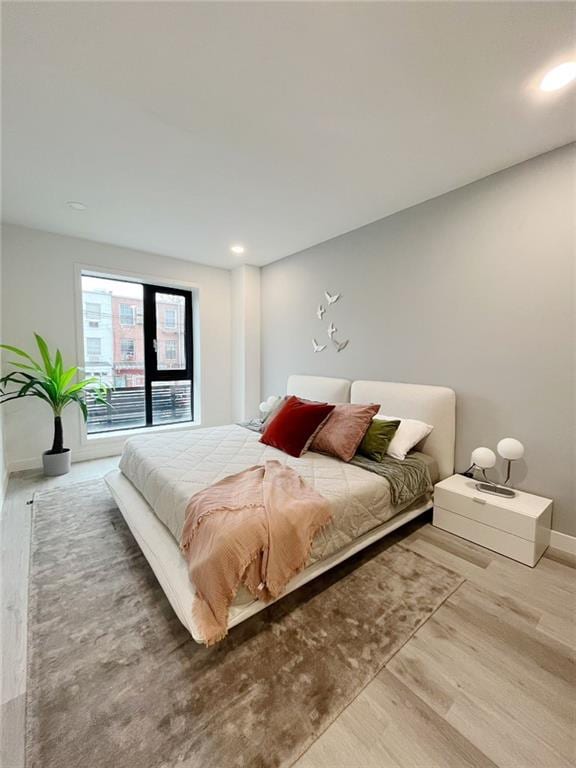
(168, 469)
(164, 557)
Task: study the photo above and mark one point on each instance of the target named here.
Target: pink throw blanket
(254, 528)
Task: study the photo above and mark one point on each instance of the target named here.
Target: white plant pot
(56, 463)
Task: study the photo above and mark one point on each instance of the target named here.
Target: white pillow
(408, 434)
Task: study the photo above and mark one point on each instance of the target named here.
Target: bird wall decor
(340, 345)
(331, 330)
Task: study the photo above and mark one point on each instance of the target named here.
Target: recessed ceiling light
(559, 76)
(238, 249)
(76, 206)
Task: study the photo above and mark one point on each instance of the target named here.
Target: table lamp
(483, 458)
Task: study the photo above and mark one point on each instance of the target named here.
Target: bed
(158, 475)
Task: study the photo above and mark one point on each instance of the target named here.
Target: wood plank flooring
(488, 680)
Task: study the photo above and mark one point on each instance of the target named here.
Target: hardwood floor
(487, 681)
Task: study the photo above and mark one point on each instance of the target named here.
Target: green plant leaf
(43, 347)
(58, 367)
(83, 407)
(51, 384)
(24, 366)
(67, 377)
(21, 353)
(79, 386)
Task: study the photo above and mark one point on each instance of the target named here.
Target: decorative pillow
(377, 439)
(294, 426)
(342, 433)
(267, 418)
(409, 433)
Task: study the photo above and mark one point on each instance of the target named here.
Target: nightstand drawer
(527, 552)
(479, 506)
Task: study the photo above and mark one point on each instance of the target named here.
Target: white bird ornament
(320, 311)
(340, 345)
(332, 299)
(318, 347)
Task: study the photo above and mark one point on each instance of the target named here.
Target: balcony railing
(126, 407)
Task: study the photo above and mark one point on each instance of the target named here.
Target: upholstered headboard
(434, 405)
(319, 388)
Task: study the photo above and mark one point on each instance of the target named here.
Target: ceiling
(186, 127)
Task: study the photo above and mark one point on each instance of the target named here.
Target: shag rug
(115, 681)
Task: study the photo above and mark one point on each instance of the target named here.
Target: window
(93, 348)
(92, 313)
(170, 349)
(127, 347)
(127, 314)
(170, 319)
(143, 352)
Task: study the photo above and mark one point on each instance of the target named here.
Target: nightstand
(518, 528)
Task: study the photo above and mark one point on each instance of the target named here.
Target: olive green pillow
(377, 439)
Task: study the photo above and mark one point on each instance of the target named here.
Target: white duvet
(169, 469)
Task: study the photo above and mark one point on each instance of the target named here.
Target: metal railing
(126, 407)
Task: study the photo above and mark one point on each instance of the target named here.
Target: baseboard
(563, 542)
(101, 451)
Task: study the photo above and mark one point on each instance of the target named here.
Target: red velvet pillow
(295, 425)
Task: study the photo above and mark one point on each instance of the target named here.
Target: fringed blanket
(254, 528)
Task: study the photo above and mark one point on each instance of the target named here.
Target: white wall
(246, 342)
(39, 294)
(3, 473)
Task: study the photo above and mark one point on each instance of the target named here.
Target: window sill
(122, 434)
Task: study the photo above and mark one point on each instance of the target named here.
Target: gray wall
(473, 290)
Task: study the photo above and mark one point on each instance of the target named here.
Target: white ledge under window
(122, 434)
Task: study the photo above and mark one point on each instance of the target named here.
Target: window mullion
(150, 360)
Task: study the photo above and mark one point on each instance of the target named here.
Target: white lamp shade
(510, 448)
(483, 458)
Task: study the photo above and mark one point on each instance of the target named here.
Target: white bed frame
(434, 405)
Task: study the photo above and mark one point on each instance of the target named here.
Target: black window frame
(151, 349)
(150, 325)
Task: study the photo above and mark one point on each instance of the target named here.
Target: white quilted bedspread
(169, 469)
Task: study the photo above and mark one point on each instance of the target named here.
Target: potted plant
(51, 382)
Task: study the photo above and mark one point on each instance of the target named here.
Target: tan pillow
(344, 429)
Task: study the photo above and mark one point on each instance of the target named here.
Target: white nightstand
(518, 528)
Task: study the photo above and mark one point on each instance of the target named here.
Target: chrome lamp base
(496, 490)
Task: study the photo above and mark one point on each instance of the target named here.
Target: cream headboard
(319, 388)
(434, 405)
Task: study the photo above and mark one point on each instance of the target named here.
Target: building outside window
(170, 319)
(127, 349)
(93, 348)
(170, 349)
(127, 314)
(93, 313)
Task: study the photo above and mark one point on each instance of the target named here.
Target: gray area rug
(115, 681)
